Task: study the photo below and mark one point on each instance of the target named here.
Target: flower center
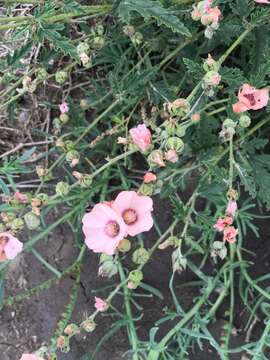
(251, 99)
(3, 240)
(130, 216)
(112, 228)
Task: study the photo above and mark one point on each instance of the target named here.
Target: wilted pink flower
(157, 158)
(22, 198)
(135, 211)
(231, 208)
(229, 234)
(103, 229)
(149, 177)
(222, 223)
(10, 246)
(100, 304)
(64, 107)
(171, 155)
(30, 357)
(141, 136)
(251, 98)
(262, 1)
(196, 14)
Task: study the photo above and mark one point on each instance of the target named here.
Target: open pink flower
(10, 246)
(262, 1)
(149, 177)
(231, 208)
(22, 198)
(222, 223)
(103, 229)
(64, 107)
(229, 234)
(30, 357)
(135, 211)
(215, 14)
(141, 136)
(251, 98)
(100, 304)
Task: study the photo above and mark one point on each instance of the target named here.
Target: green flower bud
(86, 181)
(107, 269)
(140, 256)
(98, 42)
(61, 77)
(129, 30)
(134, 279)
(32, 221)
(100, 29)
(228, 123)
(71, 329)
(57, 124)
(64, 118)
(69, 145)
(180, 131)
(83, 47)
(63, 343)
(146, 189)
(42, 74)
(124, 245)
(84, 104)
(62, 189)
(244, 121)
(73, 157)
(137, 38)
(156, 158)
(170, 127)
(88, 325)
(175, 143)
(17, 224)
(44, 198)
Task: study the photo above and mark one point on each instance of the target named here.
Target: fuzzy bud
(140, 256)
(32, 221)
(82, 47)
(41, 74)
(88, 325)
(61, 77)
(244, 121)
(134, 279)
(63, 343)
(156, 158)
(64, 118)
(62, 189)
(129, 30)
(146, 189)
(73, 157)
(124, 245)
(71, 329)
(175, 143)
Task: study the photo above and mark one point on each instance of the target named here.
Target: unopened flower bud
(73, 157)
(195, 117)
(98, 42)
(61, 76)
(146, 189)
(62, 189)
(211, 78)
(171, 241)
(156, 158)
(209, 32)
(228, 123)
(196, 14)
(140, 256)
(44, 198)
(71, 329)
(170, 127)
(124, 245)
(32, 221)
(134, 279)
(63, 343)
(244, 121)
(172, 156)
(175, 143)
(137, 38)
(180, 130)
(82, 47)
(206, 19)
(17, 224)
(88, 325)
(129, 30)
(84, 104)
(41, 74)
(210, 64)
(179, 107)
(44, 174)
(64, 118)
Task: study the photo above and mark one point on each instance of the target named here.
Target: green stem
(46, 264)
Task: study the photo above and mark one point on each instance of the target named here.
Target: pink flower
(157, 158)
(229, 234)
(135, 211)
(171, 155)
(222, 223)
(196, 14)
(207, 4)
(30, 357)
(262, 1)
(100, 304)
(141, 136)
(231, 208)
(103, 229)
(149, 177)
(22, 198)
(215, 14)
(64, 107)
(196, 117)
(251, 98)
(10, 246)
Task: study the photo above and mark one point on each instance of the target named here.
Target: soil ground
(26, 325)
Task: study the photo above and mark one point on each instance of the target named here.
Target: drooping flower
(222, 223)
(103, 229)
(135, 211)
(100, 304)
(21, 198)
(64, 108)
(141, 136)
(30, 357)
(229, 234)
(251, 98)
(231, 208)
(10, 246)
(149, 177)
